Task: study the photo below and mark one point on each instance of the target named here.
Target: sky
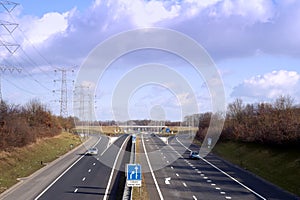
(253, 44)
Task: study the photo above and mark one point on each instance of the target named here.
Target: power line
(33, 46)
(18, 87)
(9, 69)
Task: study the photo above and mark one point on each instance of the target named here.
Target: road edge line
(151, 170)
(63, 173)
(246, 187)
(113, 169)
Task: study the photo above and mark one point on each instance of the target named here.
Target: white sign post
(209, 141)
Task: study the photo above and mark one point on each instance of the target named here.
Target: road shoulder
(29, 187)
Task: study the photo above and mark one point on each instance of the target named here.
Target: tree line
(23, 125)
(276, 123)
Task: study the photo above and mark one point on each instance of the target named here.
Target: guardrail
(127, 194)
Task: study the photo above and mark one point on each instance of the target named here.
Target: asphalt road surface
(175, 176)
(90, 177)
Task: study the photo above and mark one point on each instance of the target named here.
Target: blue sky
(255, 45)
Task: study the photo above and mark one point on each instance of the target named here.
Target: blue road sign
(133, 138)
(134, 175)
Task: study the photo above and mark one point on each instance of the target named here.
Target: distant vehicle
(194, 155)
(92, 151)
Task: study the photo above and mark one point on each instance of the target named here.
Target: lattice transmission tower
(10, 47)
(63, 91)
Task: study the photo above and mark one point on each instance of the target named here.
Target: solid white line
(47, 188)
(183, 144)
(151, 170)
(246, 187)
(108, 145)
(113, 169)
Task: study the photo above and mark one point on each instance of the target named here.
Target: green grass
(21, 162)
(280, 166)
(140, 192)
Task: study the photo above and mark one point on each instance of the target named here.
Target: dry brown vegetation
(23, 125)
(276, 124)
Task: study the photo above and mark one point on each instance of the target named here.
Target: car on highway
(194, 155)
(92, 151)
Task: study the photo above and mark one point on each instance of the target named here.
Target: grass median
(21, 162)
(279, 165)
(140, 192)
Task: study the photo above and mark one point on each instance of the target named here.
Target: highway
(90, 177)
(167, 171)
(209, 178)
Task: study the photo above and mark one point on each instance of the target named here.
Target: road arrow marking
(167, 180)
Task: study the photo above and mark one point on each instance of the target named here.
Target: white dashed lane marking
(195, 198)
(184, 184)
(227, 197)
(83, 179)
(177, 174)
(94, 164)
(89, 170)
(75, 190)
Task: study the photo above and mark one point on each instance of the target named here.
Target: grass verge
(139, 192)
(21, 162)
(277, 165)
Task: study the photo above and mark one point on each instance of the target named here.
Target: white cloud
(39, 30)
(270, 85)
(147, 13)
(225, 28)
(255, 10)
